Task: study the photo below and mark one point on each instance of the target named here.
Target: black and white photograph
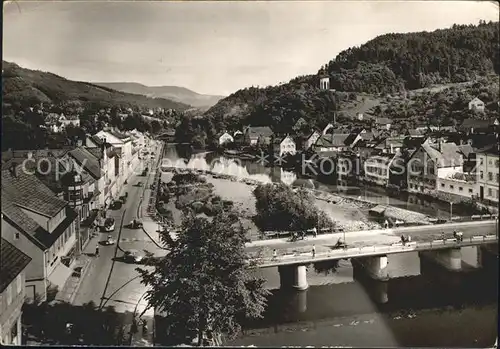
(250, 173)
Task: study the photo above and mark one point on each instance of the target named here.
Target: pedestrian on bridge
(314, 251)
(315, 232)
(275, 254)
(97, 250)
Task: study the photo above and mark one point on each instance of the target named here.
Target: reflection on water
(344, 293)
(183, 157)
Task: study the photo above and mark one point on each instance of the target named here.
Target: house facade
(256, 135)
(331, 142)
(286, 145)
(429, 162)
(12, 292)
(225, 138)
(40, 225)
(487, 172)
(477, 105)
(376, 169)
(458, 186)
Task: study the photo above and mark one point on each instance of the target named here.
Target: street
(112, 282)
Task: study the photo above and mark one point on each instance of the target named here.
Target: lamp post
(451, 211)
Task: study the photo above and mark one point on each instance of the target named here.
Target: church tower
(324, 79)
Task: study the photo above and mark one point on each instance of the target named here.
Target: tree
(203, 285)
(280, 208)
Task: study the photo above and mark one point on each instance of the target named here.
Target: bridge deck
(304, 258)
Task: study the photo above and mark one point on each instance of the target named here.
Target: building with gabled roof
(476, 104)
(13, 263)
(331, 142)
(42, 226)
(254, 133)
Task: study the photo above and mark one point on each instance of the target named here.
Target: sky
(209, 47)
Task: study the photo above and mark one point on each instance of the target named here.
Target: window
(460, 189)
(19, 283)
(481, 161)
(481, 175)
(470, 191)
(490, 192)
(489, 162)
(496, 163)
(17, 235)
(442, 185)
(9, 295)
(490, 176)
(431, 170)
(451, 187)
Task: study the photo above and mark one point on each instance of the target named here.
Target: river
(419, 306)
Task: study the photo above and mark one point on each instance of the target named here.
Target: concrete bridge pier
(449, 258)
(293, 276)
(374, 267)
(380, 292)
(487, 256)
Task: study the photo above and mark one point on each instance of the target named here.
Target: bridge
(369, 249)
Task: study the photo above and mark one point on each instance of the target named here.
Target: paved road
(324, 243)
(112, 282)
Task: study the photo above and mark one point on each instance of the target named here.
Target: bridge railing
(297, 256)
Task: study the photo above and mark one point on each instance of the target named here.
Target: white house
(457, 185)
(284, 145)
(476, 104)
(376, 169)
(225, 138)
(487, 172)
(40, 225)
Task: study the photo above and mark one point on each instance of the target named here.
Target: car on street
(109, 225)
(140, 184)
(133, 256)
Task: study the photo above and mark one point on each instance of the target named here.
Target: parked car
(133, 256)
(140, 184)
(109, 224)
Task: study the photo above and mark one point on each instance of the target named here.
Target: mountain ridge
(175, 93)
(23, 86)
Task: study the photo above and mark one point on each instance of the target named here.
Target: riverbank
(349, 214)
(469, 327)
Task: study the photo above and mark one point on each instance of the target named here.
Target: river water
(420, 306)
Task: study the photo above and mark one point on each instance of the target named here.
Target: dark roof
(27, 191)
(87, 160)
(416, 132)
(489, 150)
(12, 263)
(475, 123)
(332, 140)
(264, 131)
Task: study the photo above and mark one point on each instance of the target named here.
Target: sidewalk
(83, 262)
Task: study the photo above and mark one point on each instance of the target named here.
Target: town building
(429, 162)
(12, 292)
(476, 105)
(42, 226)
(225, 138)
(99, 163)
(324, 83)
(67, 120)
(457, 186)
(478, 126)
(258, 135)
(284, 145)
(383, 123)
(376, 169)
(311, 139)
(331, 142)
(487, 172)
(299, 124)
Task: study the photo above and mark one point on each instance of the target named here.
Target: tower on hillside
(324, 79)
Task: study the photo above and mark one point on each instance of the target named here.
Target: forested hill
(386, 65)
(23, 87)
